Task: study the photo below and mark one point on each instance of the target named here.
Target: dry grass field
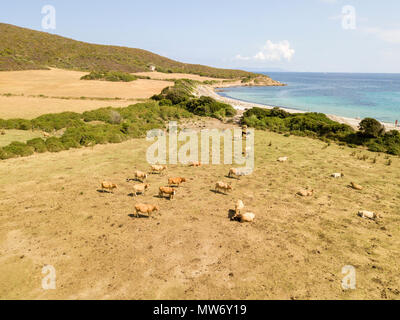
(18, 135)
(52, 214)
(66, 84)
(30, 108)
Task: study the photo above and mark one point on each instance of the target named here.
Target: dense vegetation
(105, 125)
(371, 134)
(25, 49)
(115, 76)
(181, 94)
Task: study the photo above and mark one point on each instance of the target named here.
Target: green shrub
(54, 144)
(5, 154)
(18, 124)
(38, 144)
(209, 107)
(102, 114)
(115, 76)
(371, 128)
(179, 93)
(69, 143)
(57, 121)
(19, 149)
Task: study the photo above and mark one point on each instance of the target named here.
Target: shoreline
(241, 105)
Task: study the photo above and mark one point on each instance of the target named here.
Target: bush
(38, 144)
(371, 128)
(179, 93)
(6, 155)
(19, 149)
(115, 76)
(209, 107)
(54, 144)
(310, 124)
(18, 124)
(57, 121)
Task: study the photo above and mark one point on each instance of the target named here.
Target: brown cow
(146, 209)
(170, 192)
(223, 186)
(108, 186)
(175, 181)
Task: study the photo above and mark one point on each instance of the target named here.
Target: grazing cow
(283, 159)
(168, 191)
(234, 172)
(146, 209)
(247, 217)
(305, 193)
(175, 181)
(108, 186)
(195, 164)
(367, 215)
(158, 169)
(140, 176)
(140, 189)
(238, 207)
(2, 132)
(337, 175)
(356, 186)
(223, 186)
(46, 135)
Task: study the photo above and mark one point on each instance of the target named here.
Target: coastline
(240, 105)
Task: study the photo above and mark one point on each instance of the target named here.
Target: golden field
(37, 92)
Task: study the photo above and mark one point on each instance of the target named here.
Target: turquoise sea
(342, 94)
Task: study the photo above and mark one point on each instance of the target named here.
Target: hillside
(25, 49)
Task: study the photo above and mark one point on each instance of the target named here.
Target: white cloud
(272, 52)
(387, 35)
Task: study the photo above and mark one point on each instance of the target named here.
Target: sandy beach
(240, 105)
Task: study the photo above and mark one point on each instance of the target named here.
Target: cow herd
(221, 187)
(170, 190)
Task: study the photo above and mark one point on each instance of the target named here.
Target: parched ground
(30, 108)
(38, 92)
(52, 214)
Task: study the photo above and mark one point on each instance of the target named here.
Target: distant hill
(25, 49)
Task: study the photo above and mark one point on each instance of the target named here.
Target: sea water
(343, 94)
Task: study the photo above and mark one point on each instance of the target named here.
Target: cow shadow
(104, 191)
(231, 214)
(218, 192)
(134, 180)
(141, 216)
(232, 178)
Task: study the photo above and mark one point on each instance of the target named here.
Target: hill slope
(25, 49)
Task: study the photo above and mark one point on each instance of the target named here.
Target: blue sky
(305, 35)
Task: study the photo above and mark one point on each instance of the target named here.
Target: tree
(371, 127)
